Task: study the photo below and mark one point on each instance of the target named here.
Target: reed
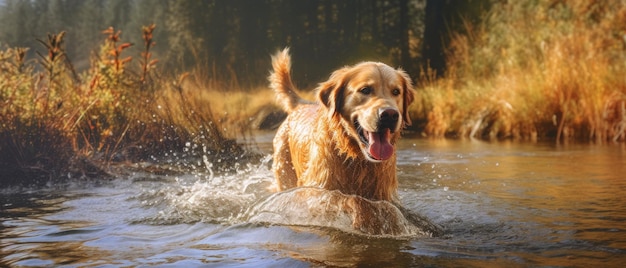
(534, 70)
(55, 123)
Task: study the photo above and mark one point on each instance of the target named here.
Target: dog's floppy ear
(330, 93)
(409, 96)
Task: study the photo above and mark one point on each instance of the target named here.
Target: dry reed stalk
(534, 71)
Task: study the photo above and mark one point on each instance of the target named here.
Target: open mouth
(377, 144)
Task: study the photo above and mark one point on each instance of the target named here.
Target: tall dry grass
(534, 70)
(56, 123)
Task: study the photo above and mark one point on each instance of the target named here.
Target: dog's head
(372, 100)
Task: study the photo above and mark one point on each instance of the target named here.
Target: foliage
(533, 70)
(526, 70)
(55, 123)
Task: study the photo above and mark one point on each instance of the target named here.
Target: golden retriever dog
(346, 141)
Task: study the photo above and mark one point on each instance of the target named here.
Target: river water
(500, 204)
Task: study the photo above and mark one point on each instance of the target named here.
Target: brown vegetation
(529, 70)
(56, 123)
(540, 70)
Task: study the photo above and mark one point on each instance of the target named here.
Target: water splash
(308, 206)
(245, 196)
(202, 197)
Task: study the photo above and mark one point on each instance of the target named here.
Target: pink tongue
(380, 148)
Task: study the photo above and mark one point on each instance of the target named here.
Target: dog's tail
(280, 81)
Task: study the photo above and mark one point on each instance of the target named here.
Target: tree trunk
(405, 56)
(433, 55)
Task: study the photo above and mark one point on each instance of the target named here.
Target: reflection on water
(501, 204)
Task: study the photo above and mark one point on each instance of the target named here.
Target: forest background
(88, 82)
(233, 39)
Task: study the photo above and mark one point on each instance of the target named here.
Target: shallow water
(501, 204)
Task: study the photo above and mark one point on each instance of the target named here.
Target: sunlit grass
(531, 71)
(57, 123)
(546, 70)
(238, 110)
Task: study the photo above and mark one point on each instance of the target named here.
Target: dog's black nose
(388, 118)
(389, 114)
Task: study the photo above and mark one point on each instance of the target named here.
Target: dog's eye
(395, 92)
(366, 90)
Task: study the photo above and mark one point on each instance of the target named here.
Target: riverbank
(533, 71)
(57, 123)
(538, 71)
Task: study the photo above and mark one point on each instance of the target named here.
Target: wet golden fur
(318, 144)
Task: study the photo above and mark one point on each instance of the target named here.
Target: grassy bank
(55, 122)
(531, 70)
(534, 70)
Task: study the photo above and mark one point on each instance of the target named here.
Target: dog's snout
(390, 115)
(388, 118)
